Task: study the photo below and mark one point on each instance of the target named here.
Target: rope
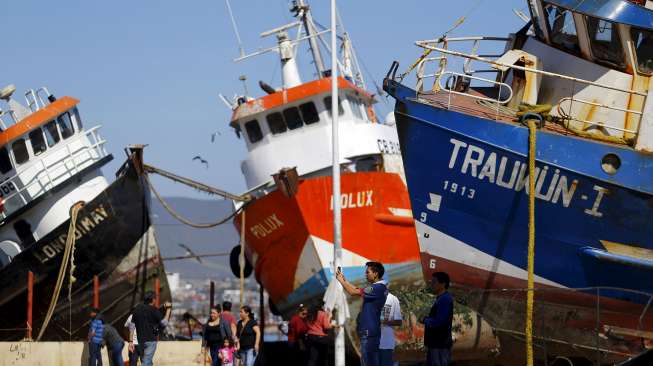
(182, 219)
(70, 243)
(241, 260)
(532, 130)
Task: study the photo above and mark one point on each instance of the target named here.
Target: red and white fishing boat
(289, 226)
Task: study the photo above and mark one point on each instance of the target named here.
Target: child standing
(226, 353)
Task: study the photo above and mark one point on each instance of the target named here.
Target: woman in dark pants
(319, 323)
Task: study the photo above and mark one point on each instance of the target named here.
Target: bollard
(30, 297)
(96, 292)
(157, 292)
(211, 296)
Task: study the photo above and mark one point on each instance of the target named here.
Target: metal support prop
(211, 295)
(96, 292)
(261, 304)
(337, 214)
(157, 292)
(30, 302)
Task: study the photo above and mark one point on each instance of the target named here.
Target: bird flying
(206, 163)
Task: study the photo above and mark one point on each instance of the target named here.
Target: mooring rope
(184, 220)
(532, 131)
(70, 243)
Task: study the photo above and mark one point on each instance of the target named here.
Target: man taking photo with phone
(369, 319)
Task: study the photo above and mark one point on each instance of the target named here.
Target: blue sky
(150, 71)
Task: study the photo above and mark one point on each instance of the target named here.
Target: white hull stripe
(439, 244)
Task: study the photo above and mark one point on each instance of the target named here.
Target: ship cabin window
(51, 133)
(293, 118)
(65, 125)
(643, 41)
(253, 131)
(37, 141)
(605, 43)
(5, 162)
(562, 28)
(78, 118)
(327, 104)
(20, 151)
(356, 107)
(276, 123)
(309, 113)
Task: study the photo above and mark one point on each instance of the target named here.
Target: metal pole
(211, 296)
(96, 292)
(30, 297)
(261, 304)
(157, 292)
(337, 217)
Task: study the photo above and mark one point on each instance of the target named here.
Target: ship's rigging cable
(532, 132)
(65, 260)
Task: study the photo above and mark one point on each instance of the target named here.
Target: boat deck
(469, 105)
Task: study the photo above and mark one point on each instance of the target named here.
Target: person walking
(391, 317)
(248, 337)
(148, 320)
(318, 323)
(228, 316)
(226, 353)
(437, 325)
(95, 334)
(369, 319)
(214, 332)
(297, 335)
(135, 352)
(114, 343)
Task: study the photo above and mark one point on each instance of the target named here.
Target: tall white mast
(337, 217)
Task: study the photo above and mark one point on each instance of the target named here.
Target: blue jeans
(438, 357)
(148, 353)
(213, 350)
(385, 357)
(94, 354)
(369, 350)
(247, 357)
(116, 353)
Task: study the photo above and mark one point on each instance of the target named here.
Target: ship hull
(114, 241)
(290, 244)
(467, 180)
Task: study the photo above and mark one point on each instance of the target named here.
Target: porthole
(610, 163)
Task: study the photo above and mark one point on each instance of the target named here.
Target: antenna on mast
(233, 24)
(302, 11)
(243, 78)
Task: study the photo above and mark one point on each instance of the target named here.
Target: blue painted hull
(468, 179)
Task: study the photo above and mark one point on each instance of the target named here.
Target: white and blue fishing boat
(582, 69)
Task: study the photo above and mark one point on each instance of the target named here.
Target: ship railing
(447, 56)
(35, 99)
(79, 152)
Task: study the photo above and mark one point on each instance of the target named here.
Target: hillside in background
(170, 233)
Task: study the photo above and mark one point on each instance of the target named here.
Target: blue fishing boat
(580, 71)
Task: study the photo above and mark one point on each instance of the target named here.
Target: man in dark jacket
(147, 321)
(437, 325)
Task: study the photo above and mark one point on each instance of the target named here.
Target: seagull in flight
(218, 133)
(189, 252)
(206, 163)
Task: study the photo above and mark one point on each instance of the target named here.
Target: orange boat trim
(37, 119)
(294, 94)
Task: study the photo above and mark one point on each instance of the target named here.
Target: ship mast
(303, 12)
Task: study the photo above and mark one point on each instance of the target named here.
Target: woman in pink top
(318, 323)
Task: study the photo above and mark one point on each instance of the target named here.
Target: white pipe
(337, 217)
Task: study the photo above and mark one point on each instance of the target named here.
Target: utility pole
(337, 217)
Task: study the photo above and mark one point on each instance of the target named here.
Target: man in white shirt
(133, 338)
(390, 317)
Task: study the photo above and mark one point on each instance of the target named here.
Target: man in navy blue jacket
(369, 319)
(437, 325)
